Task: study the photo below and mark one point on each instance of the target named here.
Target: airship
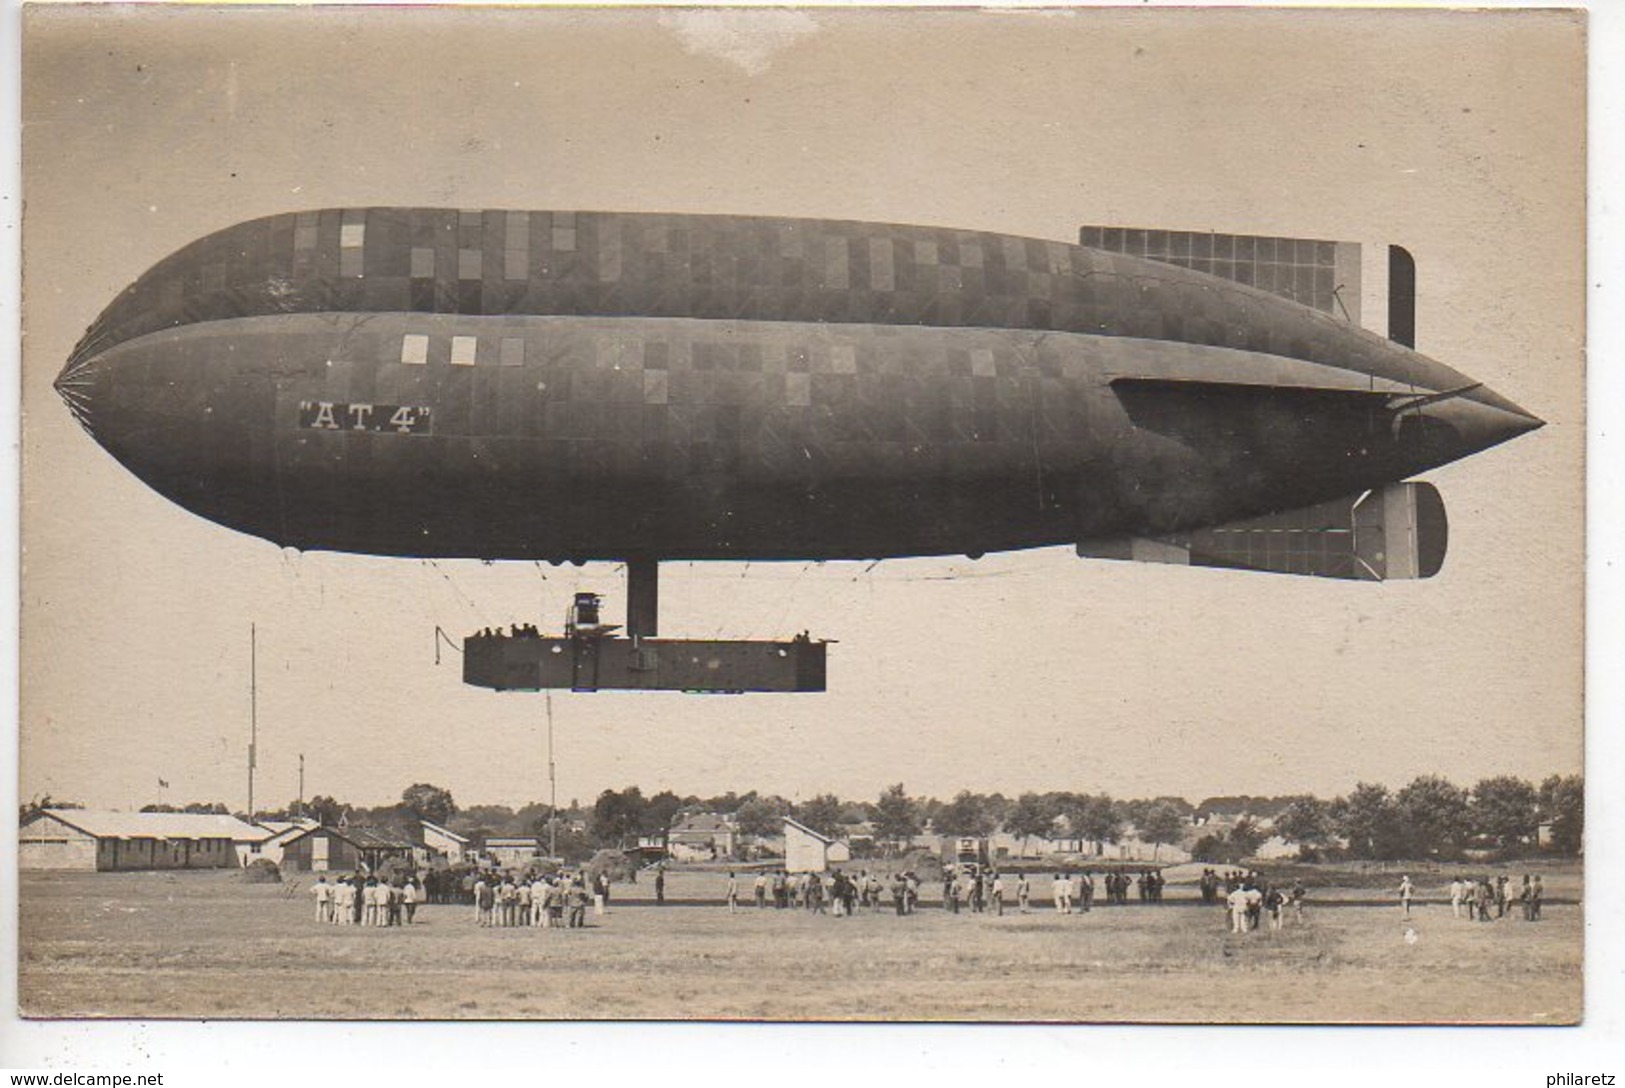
(575, 386)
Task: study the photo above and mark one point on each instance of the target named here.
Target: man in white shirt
(1456, 891)
(323, 891)
(1062, 891)
(1237, 902)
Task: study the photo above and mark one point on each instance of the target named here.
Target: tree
(1094, 818)
(40, 804)
(1306, 821)
(822, 814)
(617, 816)
(896, 817)
(498, 819)
(1159, 823)
(1435, 816)
(1033, 815)
(327, 811)
(965, 815)
(1506, 809)
(759, 818)
(429, 802)
(659, 813)
(1370, 821)
(1563, 805)
(198, 808)
(1244, 838)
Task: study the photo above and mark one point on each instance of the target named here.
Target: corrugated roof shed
(159, 825)
(376, 838)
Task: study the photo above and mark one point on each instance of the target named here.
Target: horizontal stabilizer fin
(1318, 273)
(1397, 531)
(1196, 387)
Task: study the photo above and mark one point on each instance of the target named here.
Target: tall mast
(253, 713)
(552, 787)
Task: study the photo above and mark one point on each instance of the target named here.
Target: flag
(162, 784)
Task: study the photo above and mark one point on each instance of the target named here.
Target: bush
(262, 871)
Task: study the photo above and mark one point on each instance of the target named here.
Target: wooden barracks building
(110, 841)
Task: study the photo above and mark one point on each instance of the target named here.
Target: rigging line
(465, 598)
(441, 636)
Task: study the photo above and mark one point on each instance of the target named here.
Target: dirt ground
(207, 945)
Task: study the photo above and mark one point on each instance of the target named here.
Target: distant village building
(1133, 848)
(444, 842)
(343, 849)
(806, 851)
(702, 836)
(77, 839)
(513, 852)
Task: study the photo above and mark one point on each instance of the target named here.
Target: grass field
(207, 945)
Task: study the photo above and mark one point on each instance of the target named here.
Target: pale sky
(1459, 136)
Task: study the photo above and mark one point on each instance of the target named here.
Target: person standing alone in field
(1536, 893)
(1024, 892)
(733, 894)
(1406, 891)
(660, 885)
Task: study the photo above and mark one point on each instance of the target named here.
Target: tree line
(1429, 817)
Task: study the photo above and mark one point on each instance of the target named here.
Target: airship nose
(76, 386)
(1437, 428)
(1488, 419)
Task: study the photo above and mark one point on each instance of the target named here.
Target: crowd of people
(837, 893)
(966, 888)
(1488, 898)
(1250, 898)
(500, 898)
(361, 900)
(505, 899)
(534, 899)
